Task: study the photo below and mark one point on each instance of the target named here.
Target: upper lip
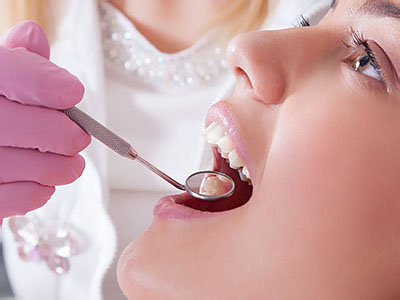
(222, 113)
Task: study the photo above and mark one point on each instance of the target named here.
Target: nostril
(267, 90)
(246, 85)
(243, 78)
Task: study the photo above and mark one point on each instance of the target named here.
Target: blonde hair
(241, 15)
(238, 15)
(16, 11)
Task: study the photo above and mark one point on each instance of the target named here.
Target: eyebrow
(381, 8)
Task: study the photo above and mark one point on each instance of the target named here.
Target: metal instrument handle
(113, 141)
(101, 133)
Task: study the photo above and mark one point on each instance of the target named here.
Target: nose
(271, 61)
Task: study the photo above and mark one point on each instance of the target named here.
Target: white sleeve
(288, 12)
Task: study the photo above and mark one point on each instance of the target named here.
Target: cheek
(346, 146)
(332, 182)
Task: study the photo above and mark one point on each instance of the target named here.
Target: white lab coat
(78, 47)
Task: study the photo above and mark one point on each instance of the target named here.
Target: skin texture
(172, 26)
(38, 144)
(323, 148)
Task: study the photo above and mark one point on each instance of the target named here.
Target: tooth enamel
(225, 146)
(234, 160)
(246, 172)
(214, 133)
(242, 176)
(209, 128)
(213, 186)
(217, 136)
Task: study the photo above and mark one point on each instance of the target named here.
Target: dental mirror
(204, 185)
(210, 185)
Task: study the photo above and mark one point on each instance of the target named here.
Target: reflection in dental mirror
(210, 185)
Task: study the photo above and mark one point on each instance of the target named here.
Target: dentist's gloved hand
(38, 144)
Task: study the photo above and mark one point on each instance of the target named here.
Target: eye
(365, 64)
(368, 58)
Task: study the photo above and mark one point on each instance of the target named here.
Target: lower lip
(168, 209)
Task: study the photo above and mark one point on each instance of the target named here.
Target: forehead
(366, 14)
(383, 8)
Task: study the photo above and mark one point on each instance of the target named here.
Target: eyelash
(358, 40)
(302, 22)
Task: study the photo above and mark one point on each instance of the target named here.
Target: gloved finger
(28, 35)
(18, 198)
(44, 168)
(28, 78)
(48, 130)
(32, 37)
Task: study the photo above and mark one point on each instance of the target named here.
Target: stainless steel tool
(204, 185)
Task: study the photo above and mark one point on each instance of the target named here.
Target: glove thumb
(28, 35)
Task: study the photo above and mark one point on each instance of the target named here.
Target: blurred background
(5, 289)
(35, 12)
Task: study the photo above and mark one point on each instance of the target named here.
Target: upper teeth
(225, 146)
(217, 136)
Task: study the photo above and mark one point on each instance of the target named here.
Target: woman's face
(316, 120)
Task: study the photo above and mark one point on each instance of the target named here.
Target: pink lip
(223, 115)
(168, 208)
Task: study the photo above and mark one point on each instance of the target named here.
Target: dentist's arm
(39, 145)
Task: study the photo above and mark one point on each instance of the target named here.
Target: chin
(171, 261)
(131, 277)
(147, 269)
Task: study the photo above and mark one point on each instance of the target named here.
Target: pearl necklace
(127, 49)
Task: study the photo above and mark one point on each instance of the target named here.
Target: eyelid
(382, 61)
(386, 66)
(359, 78)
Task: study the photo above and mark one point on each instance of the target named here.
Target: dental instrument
(204, 185)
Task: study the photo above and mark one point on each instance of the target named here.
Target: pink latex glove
(38, 144)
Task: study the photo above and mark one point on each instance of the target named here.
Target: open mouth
(226, 160)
